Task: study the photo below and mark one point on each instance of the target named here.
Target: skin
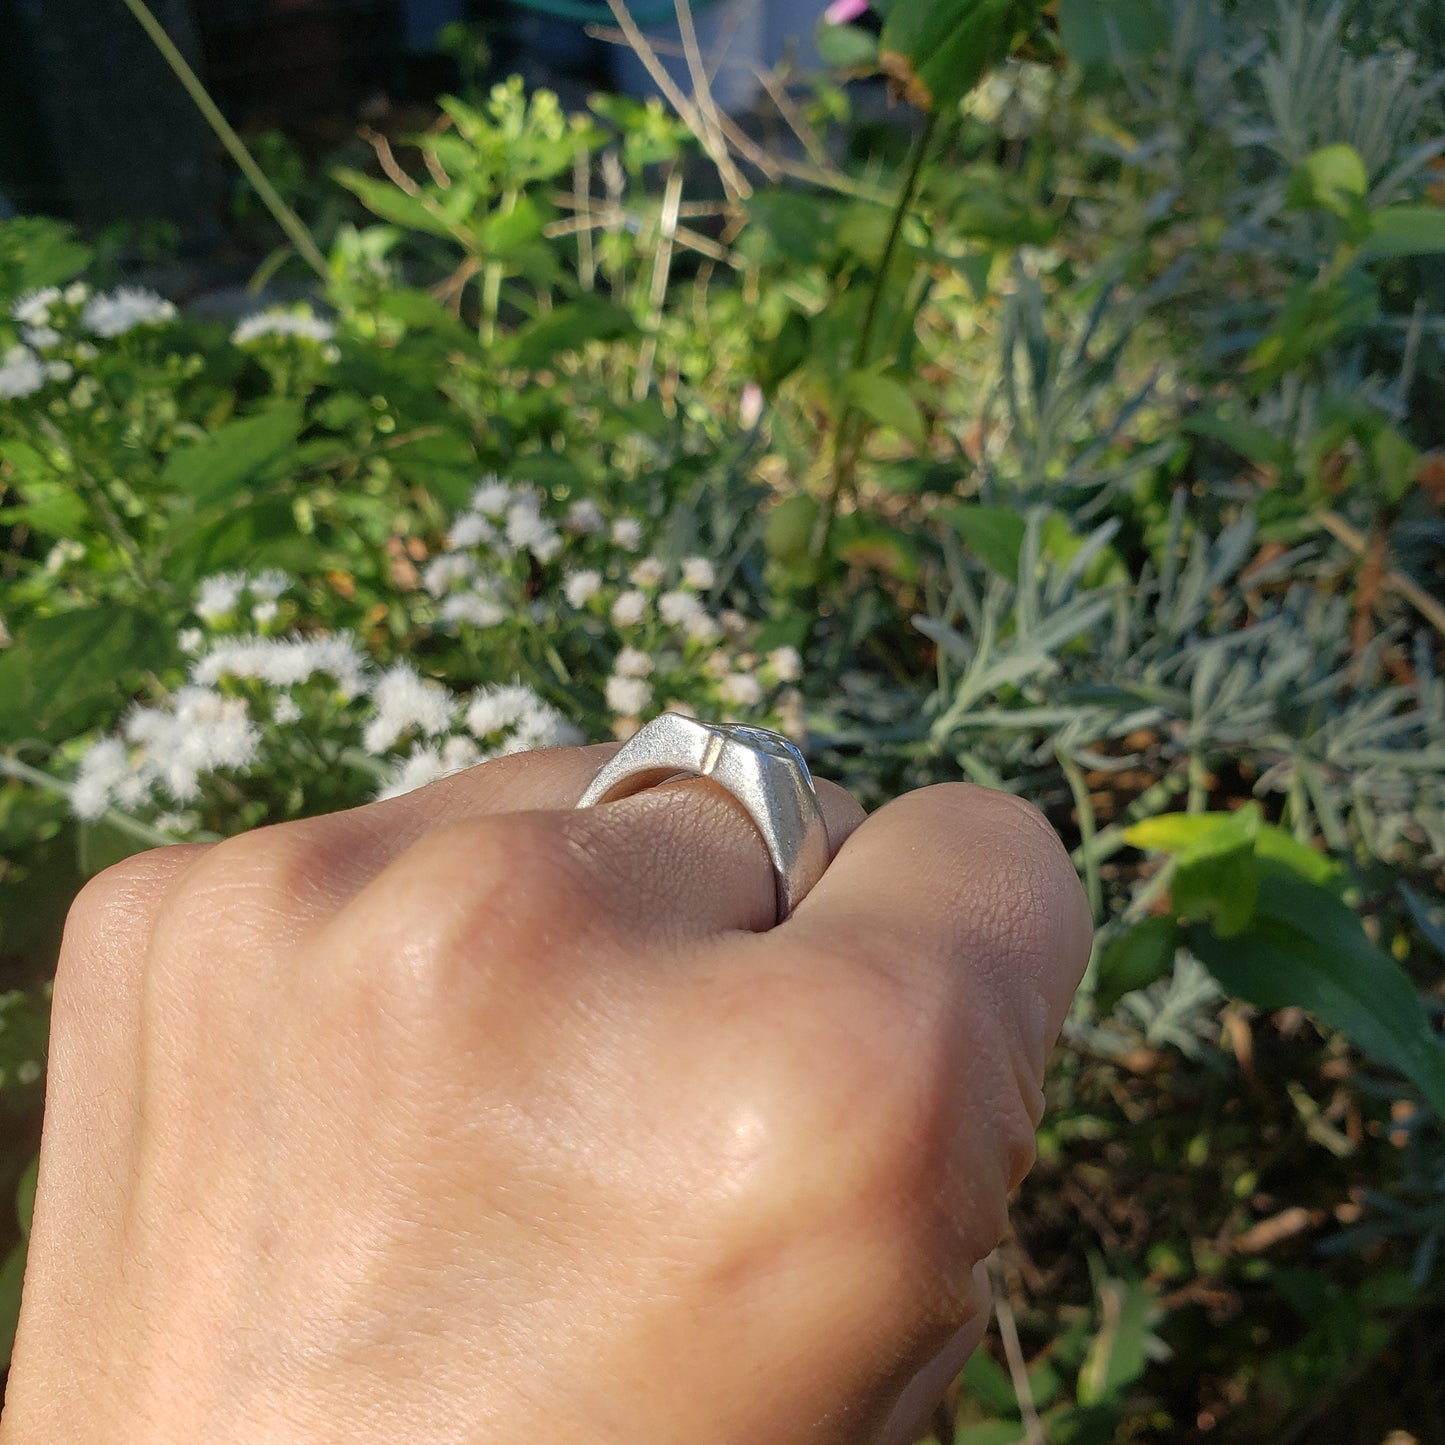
(467, 1117)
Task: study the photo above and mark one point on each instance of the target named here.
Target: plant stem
(848, 438)
(122, 822)
(286, 218)
(1084, 810)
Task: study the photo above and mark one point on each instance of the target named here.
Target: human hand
(468, 1117)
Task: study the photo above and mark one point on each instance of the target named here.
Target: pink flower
(845, 12)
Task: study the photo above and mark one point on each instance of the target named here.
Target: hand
(467, 1117)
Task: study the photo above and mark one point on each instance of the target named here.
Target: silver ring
(763, 770)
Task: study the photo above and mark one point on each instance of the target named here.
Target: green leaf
(1195, 835)
(887, 402)
(936, 51)
(1221, 886)
(1257, 443)
(1333, 178)
(570, 327)
(993, 534)
(504, 233)
(36, 252)
(991, 1432)
(445, 464)
(1307, 949)
(61, 514)
(240, 453)
(1396, 461)
(799, 225)
(65, 664)
(262, 534)
(847, 47)
(1407, 231)
(393, 204)
(788, 530)
(1116, 1357)
(1096, 32)
(988, 1384)
(1135, 959)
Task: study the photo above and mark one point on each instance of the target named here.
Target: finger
(677, 863)
(909, 1419)
(686, 859)
(967, 895)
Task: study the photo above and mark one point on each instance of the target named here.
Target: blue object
(424, 20)
(653, 12)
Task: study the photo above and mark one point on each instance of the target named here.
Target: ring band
(763, 770)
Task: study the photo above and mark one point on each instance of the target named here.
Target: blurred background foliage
(1071, 400)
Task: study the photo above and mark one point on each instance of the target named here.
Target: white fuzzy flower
(84, 351)
(104, 765)
(675, 608)
(629, 609)
(471, 529)
(428, 764)
(698, 572)
(632, 662)
(741, 689)
(59, 370)
(477, 609)
(441, 573)
(219, 595)
(303, 325)
(285, 709)
(648, 573)
(201, 732)
(65, 551)
(33, 309)
(270, 584)
(702, 627)
(264, 612)
(500, 707)
(42, 338)
(21, 374)
(786, 663)
(526, 527)
(581, 587)
(492, 497)
(191, 640)
(285, 661)
(627, 533)
(734, 623)
(76, 293)
(585, 518)
(405, 700)
(125, 309)
(627, 696)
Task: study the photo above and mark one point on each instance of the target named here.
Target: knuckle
(284, 871)
(110, 924)
(123, 899)
(474, 901)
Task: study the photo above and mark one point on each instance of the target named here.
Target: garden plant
(1077, 428)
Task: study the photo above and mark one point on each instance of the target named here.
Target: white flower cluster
(244, 693)
(163, 753)
(115, 313)
(44, 316)
(301, 324)
(221, 597)
(649, 612)
(22, 374)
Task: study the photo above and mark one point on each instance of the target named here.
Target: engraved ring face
(763, 770)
